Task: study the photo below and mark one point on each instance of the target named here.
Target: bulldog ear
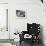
(42, 1)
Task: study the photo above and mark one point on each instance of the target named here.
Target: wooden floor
(27, 44)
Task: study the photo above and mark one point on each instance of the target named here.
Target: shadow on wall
(41, 34)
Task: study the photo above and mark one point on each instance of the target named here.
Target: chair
(33, 30)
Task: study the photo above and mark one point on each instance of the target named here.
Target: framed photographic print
(20, 13)
(3, 16)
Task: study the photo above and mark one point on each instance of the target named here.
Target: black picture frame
(20, 13)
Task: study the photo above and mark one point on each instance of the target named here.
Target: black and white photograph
(20, 13)
(22, 22)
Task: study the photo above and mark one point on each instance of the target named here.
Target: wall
(35, 12)
(3, 1)
(4, 34)
(3, 21)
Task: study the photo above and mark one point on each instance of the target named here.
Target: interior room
(22, 22)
